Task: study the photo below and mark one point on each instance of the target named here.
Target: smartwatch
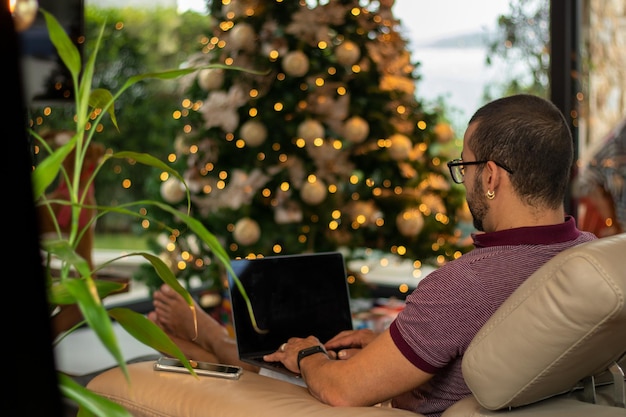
(310, 351)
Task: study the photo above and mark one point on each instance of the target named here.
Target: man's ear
(493, 175)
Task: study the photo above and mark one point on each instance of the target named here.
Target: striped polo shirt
(451, 304)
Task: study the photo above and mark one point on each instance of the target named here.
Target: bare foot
(175, 317)
(173, 314)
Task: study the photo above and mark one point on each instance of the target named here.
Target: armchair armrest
(166, 394)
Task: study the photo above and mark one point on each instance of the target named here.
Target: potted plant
(74, 282)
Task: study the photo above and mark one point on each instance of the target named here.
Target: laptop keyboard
(277, 365)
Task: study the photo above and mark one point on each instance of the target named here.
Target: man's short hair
(529, 135)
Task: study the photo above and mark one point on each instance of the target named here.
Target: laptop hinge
(618, 383)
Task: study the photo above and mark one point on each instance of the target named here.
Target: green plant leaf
(178, 72)
(163, 271)
(148, 333)
(96, 316)
(84, 290)
(65, 47)
(90, 403)
(49, 168)
(100, 98)
(149, 160)
(60, 295)
(166, 275)
(63, 250)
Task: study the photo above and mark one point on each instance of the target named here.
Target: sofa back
(565, 323)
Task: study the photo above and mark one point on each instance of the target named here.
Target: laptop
(291, 295)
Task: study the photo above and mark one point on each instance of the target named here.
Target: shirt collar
(531, 235)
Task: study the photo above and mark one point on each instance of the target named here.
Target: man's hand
(349, 342)
(287, 353)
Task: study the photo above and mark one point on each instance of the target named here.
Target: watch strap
(310, 351)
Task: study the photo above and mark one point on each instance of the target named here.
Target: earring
(491, 194)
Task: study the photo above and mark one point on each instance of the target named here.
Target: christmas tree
(322, 145)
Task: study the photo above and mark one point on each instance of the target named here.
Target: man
(515, 165)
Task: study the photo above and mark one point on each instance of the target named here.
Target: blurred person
(601, 187)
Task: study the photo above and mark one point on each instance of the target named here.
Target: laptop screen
(291, 295)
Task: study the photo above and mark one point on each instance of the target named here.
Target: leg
(174, 316)
(194, 351)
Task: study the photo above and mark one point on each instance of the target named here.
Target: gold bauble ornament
(410, 222)
(310, 130)
(348, 53)
(313, 193)
(211, 78)
(356, 129)
(247, 231)
(295, 63)
(172, 190)
(253, 133)
(241, 36)
(400, 148)
(444, 132)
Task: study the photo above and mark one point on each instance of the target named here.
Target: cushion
(160, 394)
(564, 323)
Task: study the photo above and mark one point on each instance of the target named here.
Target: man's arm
(375, 374)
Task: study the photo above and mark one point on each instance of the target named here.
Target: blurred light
(23, 12)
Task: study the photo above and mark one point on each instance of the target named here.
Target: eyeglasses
(457, 168)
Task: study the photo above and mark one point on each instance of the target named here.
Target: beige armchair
(555, 348)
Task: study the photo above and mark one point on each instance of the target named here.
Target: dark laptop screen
(291, 295)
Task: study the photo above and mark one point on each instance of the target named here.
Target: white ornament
(410, 222)
(313, 193)
(253, 133)
(310, 130)
(172, 190)
(211, 78)
(348, 53)
(295, 63)
(400, 148)
(241, 36)
(356, 129)
(247, 231)
(180, 145)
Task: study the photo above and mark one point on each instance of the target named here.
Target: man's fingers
(347, 353)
